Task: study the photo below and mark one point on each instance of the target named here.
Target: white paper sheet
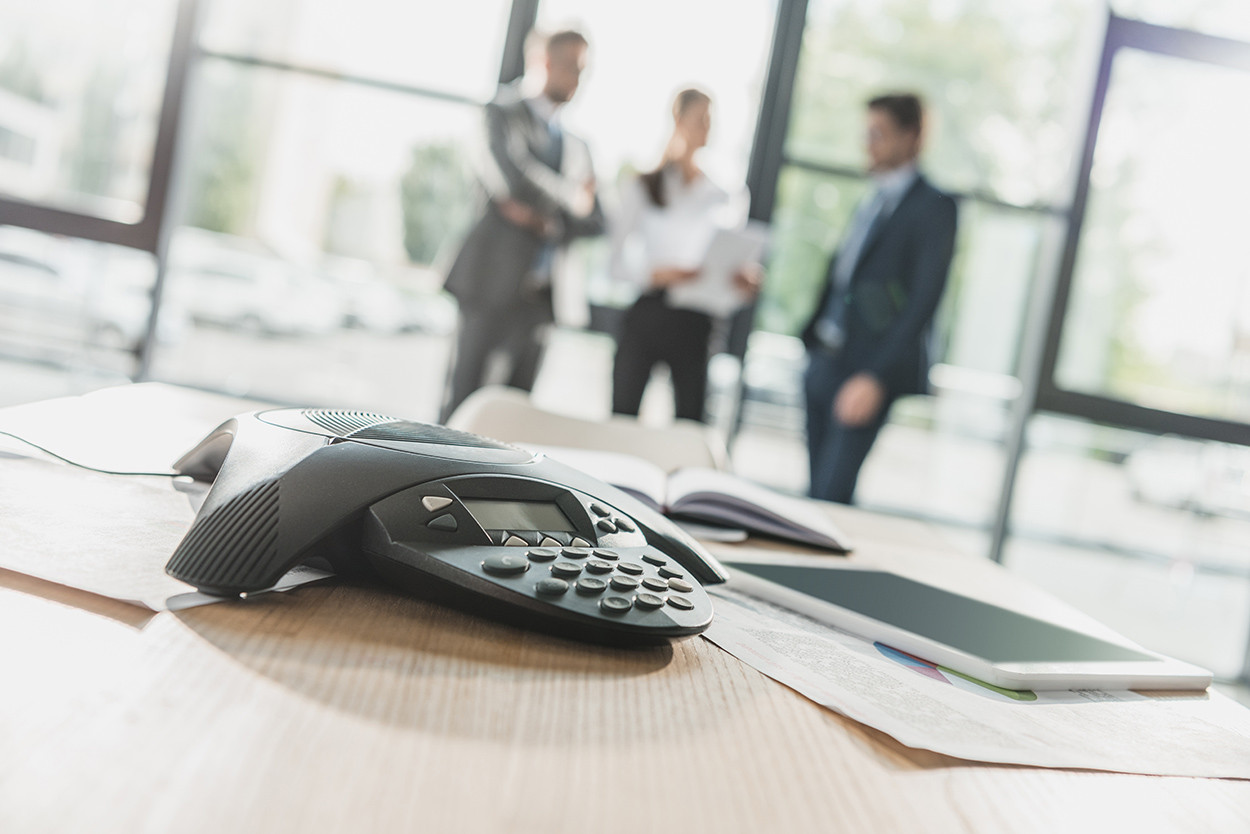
(106, 534)
(713, 292)
(1202, 734)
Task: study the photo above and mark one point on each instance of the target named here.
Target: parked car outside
(227, 282)
(59, 297)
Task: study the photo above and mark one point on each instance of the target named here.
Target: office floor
(1168, 606)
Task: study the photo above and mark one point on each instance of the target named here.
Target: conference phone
(469, 520)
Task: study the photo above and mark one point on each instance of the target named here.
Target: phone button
(506, 564)
(566, 569)
(624, 583)
(655, 559)
(645, 600)
(445, 522)
(631, 568)
(654, 584)
(599, 510)
(599, 566)
(551, 586)
(615, 605)
(680, 603)
(605, 526)
(680, 585)
(626, 525)
(542, 554)
(591, 585)
(434, 503)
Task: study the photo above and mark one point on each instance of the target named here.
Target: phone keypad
(639, 582)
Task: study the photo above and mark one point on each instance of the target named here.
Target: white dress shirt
(646, 237)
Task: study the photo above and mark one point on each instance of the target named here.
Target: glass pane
(1145, 533)
(317, 216)
(996, 258)
(449, 47)
(1160, 307)
(641, 54)
(811, 211)
(1005, 83)
(1224, 18)
(80, 96)
(76, 302)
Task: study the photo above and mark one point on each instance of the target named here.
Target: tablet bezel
(1159, 672)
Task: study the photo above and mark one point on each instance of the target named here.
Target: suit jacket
(894, 290)
(496, 256)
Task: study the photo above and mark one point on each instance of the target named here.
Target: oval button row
(610, 525)
(591, 585)
(615, 525)
(513, 564)
(619, 605)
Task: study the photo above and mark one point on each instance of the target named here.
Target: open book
(709, 496)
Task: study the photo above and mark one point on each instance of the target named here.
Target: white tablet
(987, 642)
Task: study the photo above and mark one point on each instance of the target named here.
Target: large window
(327, 180)
(81, 87)
(80, 98)
(1160, 307)
(444, 48)
(1225, 18)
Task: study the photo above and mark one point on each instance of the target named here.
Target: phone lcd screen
(987, 631)
(518, 515)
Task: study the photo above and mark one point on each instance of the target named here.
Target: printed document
(713, 292)
(1180, 734)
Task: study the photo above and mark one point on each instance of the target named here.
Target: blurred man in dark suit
(539, 189)
(867, 339)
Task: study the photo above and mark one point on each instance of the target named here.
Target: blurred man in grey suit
(539, 190)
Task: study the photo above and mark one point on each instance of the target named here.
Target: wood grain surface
(349, 707)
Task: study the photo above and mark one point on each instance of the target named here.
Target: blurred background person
(539, 189)
(867, 340)
(667, 218)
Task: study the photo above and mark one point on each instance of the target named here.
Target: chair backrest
(507, 414)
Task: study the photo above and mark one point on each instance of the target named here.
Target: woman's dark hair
(653, 181)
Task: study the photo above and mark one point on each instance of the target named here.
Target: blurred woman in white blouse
(666, 220)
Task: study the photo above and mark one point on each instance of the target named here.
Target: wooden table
(350, 707)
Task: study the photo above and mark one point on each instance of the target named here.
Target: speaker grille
(426, 433)
(343, 423)
(235, 547)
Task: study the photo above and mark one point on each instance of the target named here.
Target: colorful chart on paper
(955, 679)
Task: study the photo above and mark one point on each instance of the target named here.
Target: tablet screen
(973, 627)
